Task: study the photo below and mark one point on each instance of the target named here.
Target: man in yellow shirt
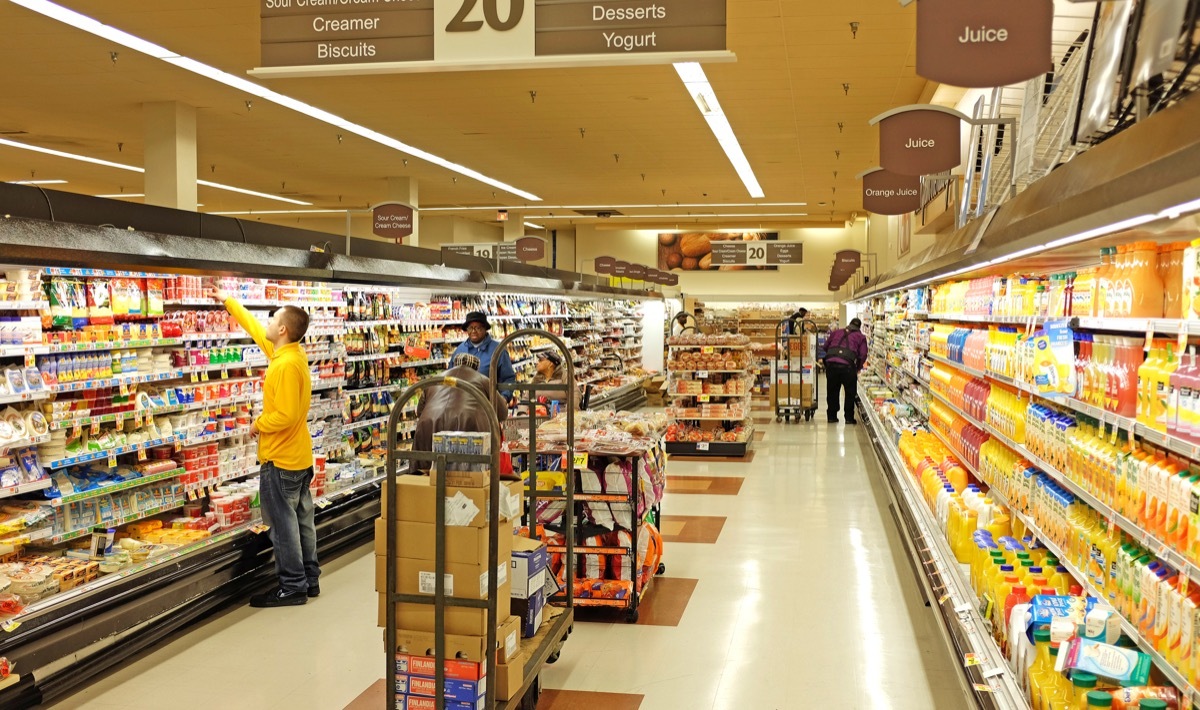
(285, 452)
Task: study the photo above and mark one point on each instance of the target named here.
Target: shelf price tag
(137, 419)
(95, 428)
(707, 350)
(30, 360)
(112, 459)
(10, 626)
(260, 528)
(702, 446)
(971, 660)
(702, 374)
(76, 430)
(1184, 332)
(703, 397)
(224, 373)
(141, 455)
(580, 461)
(204, 376)
(120, 421)
(322, 503)
(195, 377)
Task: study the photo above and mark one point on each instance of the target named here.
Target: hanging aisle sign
(307, 37)
(885, 192)
(393, 220)
(733, 253)
(920, 140)
(525, 249)
(984, 43)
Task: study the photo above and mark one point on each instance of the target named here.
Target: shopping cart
(795, 388)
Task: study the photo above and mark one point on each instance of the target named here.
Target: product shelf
(111, 453)
(957, 607)
(125, 486)
(328, 384)
(1161, 549)
(131, 518)
(708, 348)
(1170, 672)
(114, 382)
(26, 441)
(207, 337)
(193, 490)
(24, 306)
(366, 423)
(31, 487)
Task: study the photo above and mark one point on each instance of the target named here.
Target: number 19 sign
(306, 37)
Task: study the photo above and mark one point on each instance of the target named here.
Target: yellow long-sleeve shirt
(283, 437)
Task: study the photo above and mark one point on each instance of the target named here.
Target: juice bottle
(1189, 389)
(1042, 664)
(1191, 281)
(1104, 284)
(1172, 276)
(1145, 380)
(1146, 284)
(1162, 386)
(1018, 596)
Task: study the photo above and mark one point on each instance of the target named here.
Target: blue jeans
(287, 506)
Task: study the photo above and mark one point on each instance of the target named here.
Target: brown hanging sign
(530, 249)
(604, 265)
(621, 268)
(984, 43)
(637, 272)
(888, 193)
(920, 140)
(392, 220)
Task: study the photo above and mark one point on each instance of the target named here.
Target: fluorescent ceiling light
(702, 93)
(39, 182)
(254, 212)
(671, 206)
(136, 169)
(737, 215)
(120, 195)
(531, 225)
(87, 24)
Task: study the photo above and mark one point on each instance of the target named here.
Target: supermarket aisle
(802, 600)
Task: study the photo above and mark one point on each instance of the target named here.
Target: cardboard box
(416, 498)
(511, 676)
(462, 581)
(459, 621)
(413, 702)
(529, 562)
(458, 691)
(530, 611)
(467, 655)
(463, 545)
(464, 479)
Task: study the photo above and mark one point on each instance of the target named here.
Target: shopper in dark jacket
(845, 357)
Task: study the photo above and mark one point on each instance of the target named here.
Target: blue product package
(1045, 609)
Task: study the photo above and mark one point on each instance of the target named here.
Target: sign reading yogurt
(984, 43)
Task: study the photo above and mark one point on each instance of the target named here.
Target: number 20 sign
(477, 30)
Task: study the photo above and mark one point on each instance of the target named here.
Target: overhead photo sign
(473, 34)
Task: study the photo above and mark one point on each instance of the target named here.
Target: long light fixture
(531, 225)
(672, 206)
(92, 26)
(136, 169)
(39, 182)
(120, 195)
(702, 93)
(701, 217)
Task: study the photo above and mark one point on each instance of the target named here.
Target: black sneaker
(314, 591)
(851, 422)
(278, 597)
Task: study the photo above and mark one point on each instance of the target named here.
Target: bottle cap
(1099, 699)
(1152, 704)
(1083, 680)
(1041, 635)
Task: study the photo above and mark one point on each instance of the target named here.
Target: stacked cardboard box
(467, 576)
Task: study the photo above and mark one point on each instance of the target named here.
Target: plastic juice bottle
(1019, 595)
(1103, 284)
(1191, 281)
(1145, 380)
(1189, 383)
(1042, 664)
(1146, 284)
(1162, 386)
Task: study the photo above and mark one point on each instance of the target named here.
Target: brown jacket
(446, 408)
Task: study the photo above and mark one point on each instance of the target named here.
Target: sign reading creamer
(424, 35)
(984, 43)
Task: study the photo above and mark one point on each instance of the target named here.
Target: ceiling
(784, 98)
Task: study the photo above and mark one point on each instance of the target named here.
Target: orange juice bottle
(1145, 283)
(1103, 282)
(1162, 387)
(1146, 379)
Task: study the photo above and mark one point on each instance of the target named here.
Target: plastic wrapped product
(1120, 665)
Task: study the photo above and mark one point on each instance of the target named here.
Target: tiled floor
(804, 600)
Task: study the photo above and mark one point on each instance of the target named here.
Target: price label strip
(260, 528)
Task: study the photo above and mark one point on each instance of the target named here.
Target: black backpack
(841, 352)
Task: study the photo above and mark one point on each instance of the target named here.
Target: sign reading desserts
(462, 34)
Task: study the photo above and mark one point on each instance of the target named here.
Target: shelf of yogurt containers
(620, 479)
(1038, 589)
(709, 384)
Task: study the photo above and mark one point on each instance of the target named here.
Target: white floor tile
(804, 601)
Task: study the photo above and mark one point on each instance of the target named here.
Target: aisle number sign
(757, 253)
(525, 249)
(464, 34)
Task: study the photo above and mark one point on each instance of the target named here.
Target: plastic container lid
(1099, 699)
(1083, 680)
(1041, 635)
(1152, 704)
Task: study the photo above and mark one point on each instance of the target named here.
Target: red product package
(1131, 698)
